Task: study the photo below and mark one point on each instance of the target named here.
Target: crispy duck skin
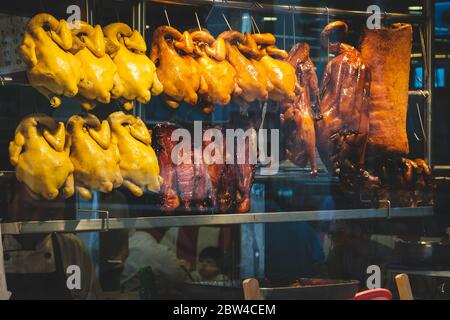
(297, 117)
(386, 52)
(170, 199)
(227, 190)
(342, 133)
(281, 74)
(218, 73)
(252, 81)
(405, 182)
(178, 72)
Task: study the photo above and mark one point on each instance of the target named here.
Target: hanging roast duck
(136, 74)
(177, 69)
(52, 69)
(40, 155)
(98, 68)
(297, 117)
(94, 154)
(342, 132)
(218, 73)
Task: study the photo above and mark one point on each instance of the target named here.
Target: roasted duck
(136, 74)
(169, 188)
(218, 73)
(185, 175)
(94, 154)
(138, 162)
(342, 132)
(281, 74)
(52, 69)
(177, 69)
(252, 79)
(98, 68)
(40, 155)
(298, 117)
(386, 52)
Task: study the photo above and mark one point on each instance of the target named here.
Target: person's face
(208, 268)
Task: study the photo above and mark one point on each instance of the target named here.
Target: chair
(404, 287)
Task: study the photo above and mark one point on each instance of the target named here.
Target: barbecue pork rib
(169, 188)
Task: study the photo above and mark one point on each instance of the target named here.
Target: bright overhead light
(270, 19)
(415, 8)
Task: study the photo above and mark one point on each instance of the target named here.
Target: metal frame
(107, 223)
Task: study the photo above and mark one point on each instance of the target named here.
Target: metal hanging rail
(105, 224)
(288, 9)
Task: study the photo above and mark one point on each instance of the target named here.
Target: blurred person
(36, 264)
(210, 265)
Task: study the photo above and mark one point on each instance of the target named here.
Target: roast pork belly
(386, 52)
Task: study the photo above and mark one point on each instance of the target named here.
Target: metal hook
(210, 11)
(198, 21)
(255, 25)
(226, 21)
(293, 28)
(284, 32)
(257, 4)
(421, 123)
(167, 17)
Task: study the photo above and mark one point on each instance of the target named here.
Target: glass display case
(336, 109)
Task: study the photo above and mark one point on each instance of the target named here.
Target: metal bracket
(388, 202)
(105, 218)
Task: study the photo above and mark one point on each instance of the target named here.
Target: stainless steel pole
(428, 12)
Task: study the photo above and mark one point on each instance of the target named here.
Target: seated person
(36, 264)
(210, 265)
(146, 250)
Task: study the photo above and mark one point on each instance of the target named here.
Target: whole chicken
(252, 80)
(52, 69)
(218, 73)
(281, 74)
(94, 155)
(98, 68)
(298, 117)
(138, 162)
(342, 132)
(40, 154)
(177, 69)
(136, 74)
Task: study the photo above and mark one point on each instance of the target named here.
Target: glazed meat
(94, 154)
(177, 69)
(343, 131)
(214, 168)
(170, 199)
(245, 174)
(203, 186)
(98, 68)
(218, 73)
(52, 69)
(281, 74)
(387, 51)
(185, 176)
(136, 74)
(252, 81)
(297, 118)
(40, 155)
